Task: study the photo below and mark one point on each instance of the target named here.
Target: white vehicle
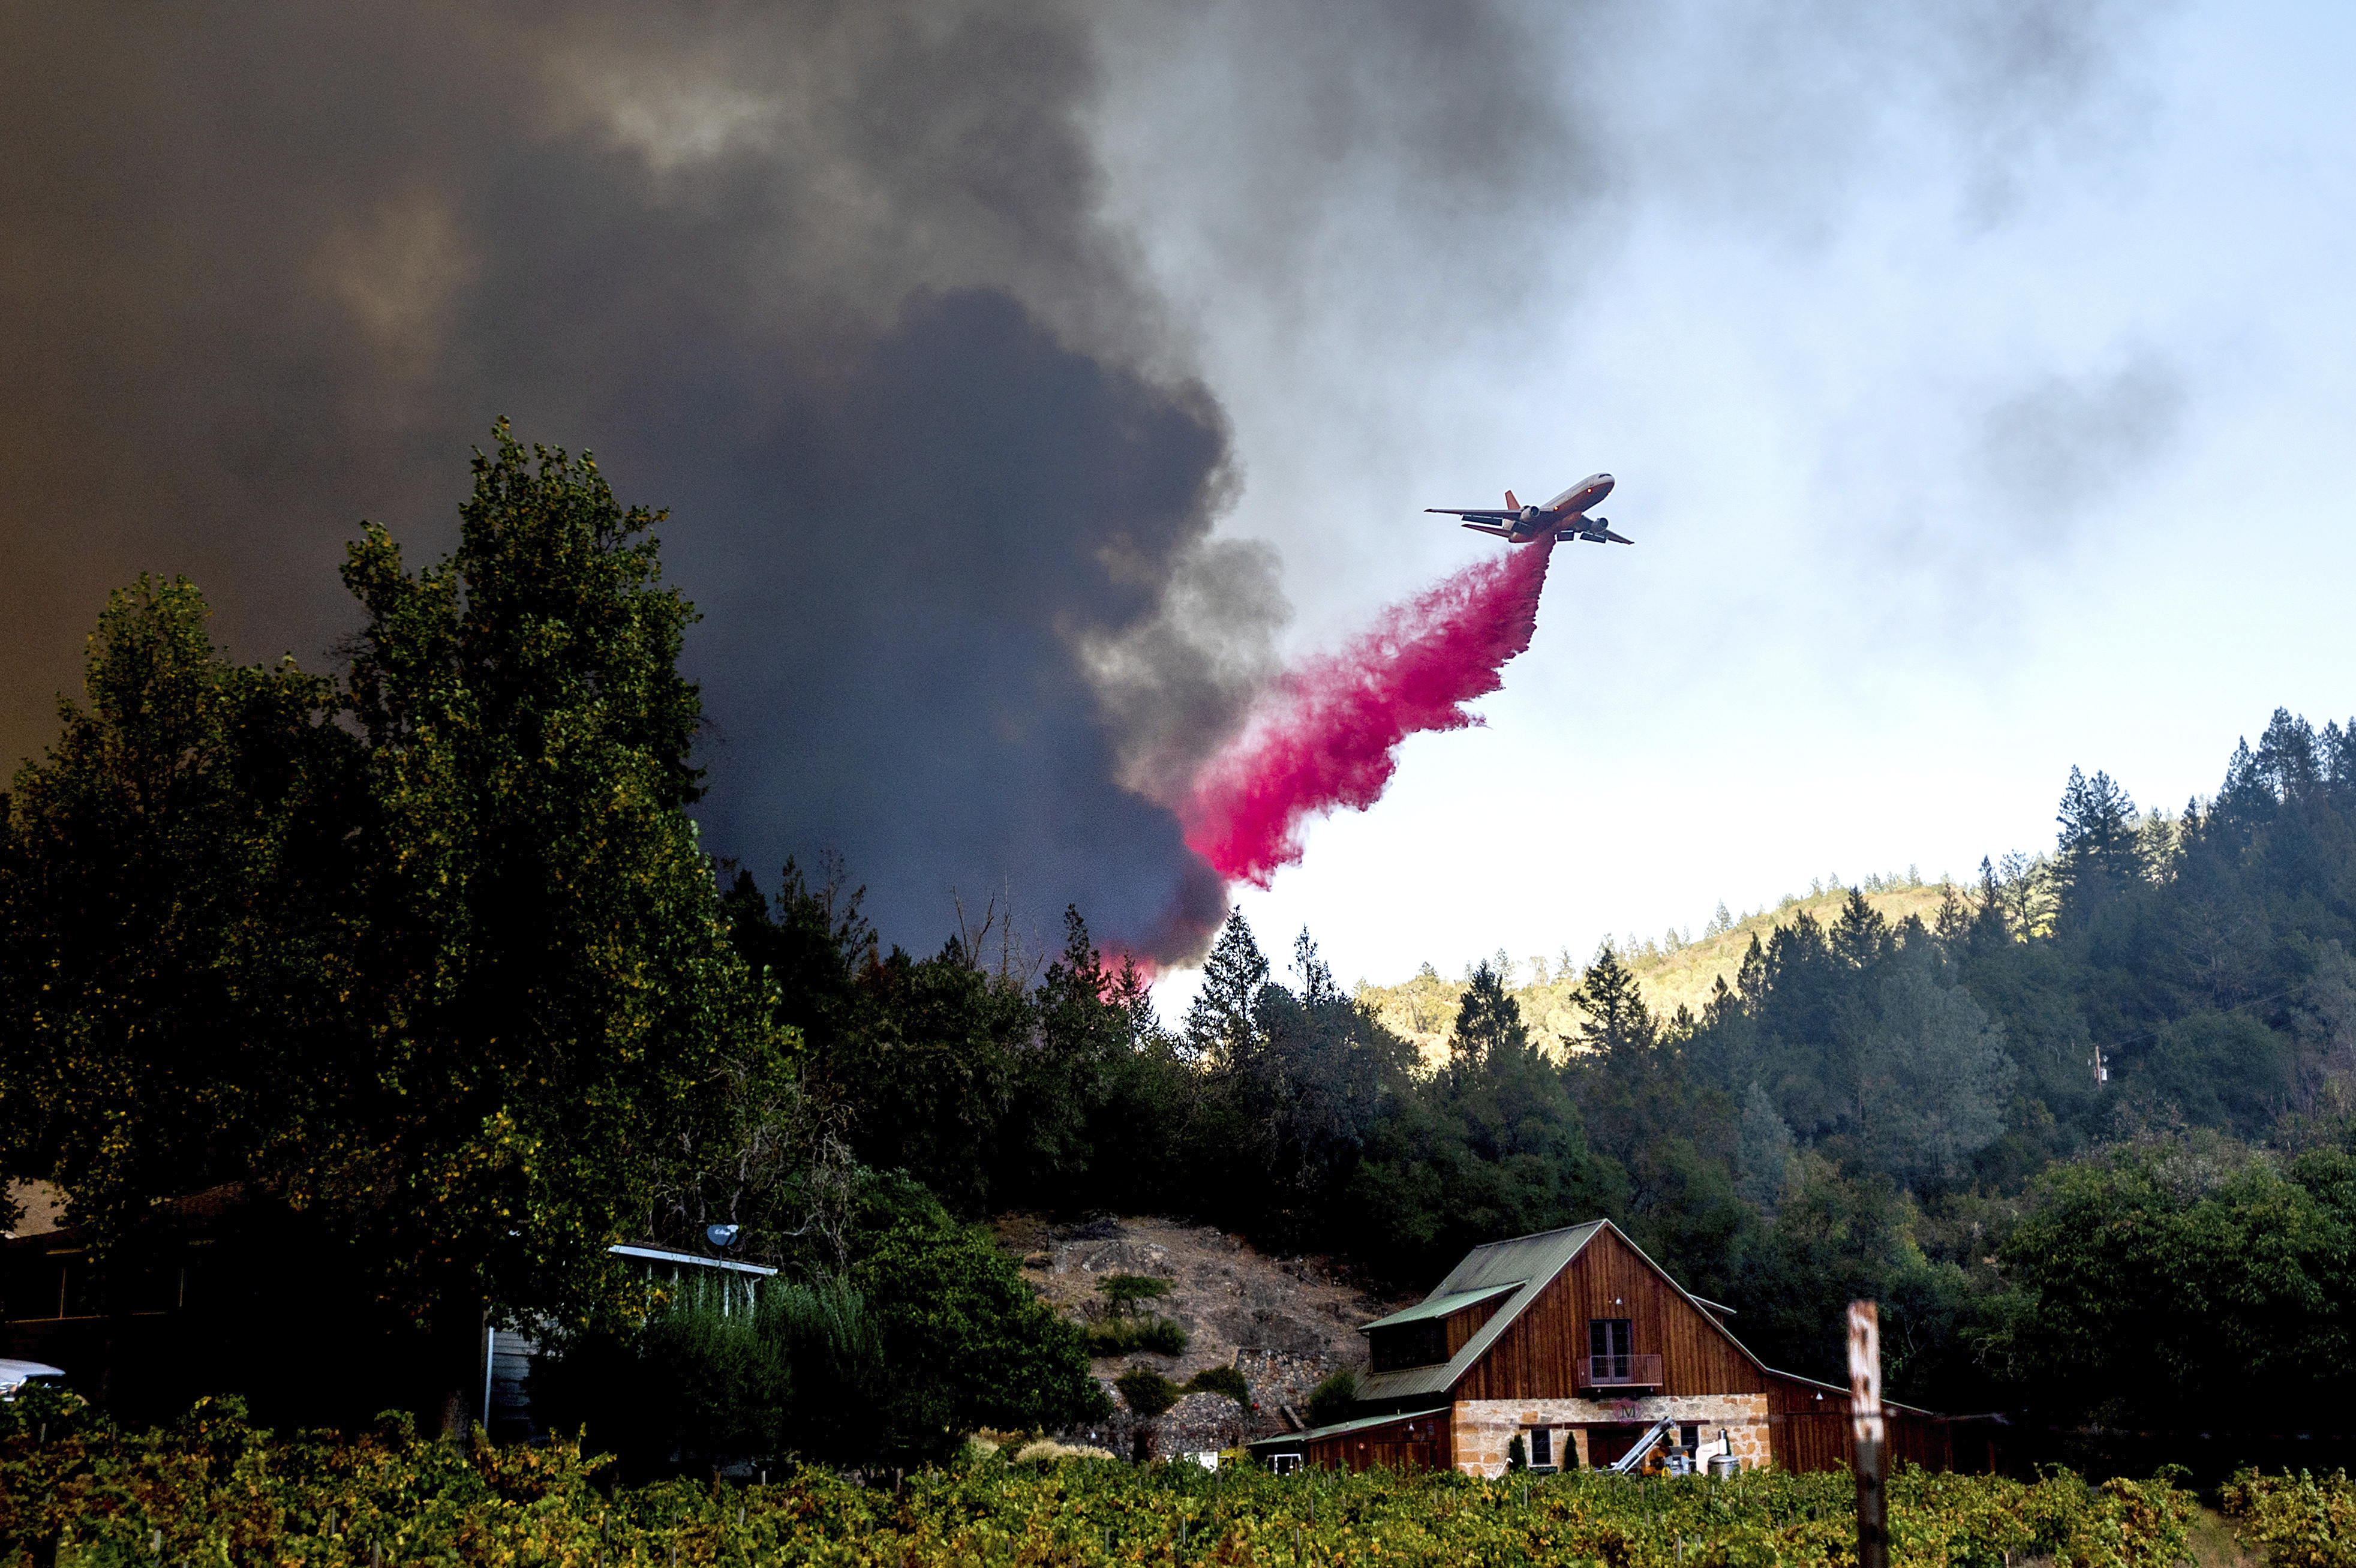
(15, 1377)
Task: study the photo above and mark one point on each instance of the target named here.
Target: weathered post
(1871, 1437)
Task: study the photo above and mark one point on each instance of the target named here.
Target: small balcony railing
(1620, 1373)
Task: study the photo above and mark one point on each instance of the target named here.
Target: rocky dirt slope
(1284, 1323)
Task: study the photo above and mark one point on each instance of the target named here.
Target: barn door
(1609, 1343)
(1607, 1444)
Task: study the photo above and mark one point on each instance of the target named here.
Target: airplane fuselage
(1564, 518)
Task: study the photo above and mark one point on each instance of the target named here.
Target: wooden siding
(1421, 1444)
(1462, 1325)
(1808, 1429)
(1539, 1355)
(507, 1409)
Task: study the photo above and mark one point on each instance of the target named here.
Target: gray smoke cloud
(2062, 441)
(859, 291)
(825, 279)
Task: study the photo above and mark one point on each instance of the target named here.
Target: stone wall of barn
(1481, 1430)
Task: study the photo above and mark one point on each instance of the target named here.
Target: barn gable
(1672, 1347)
(1516, 1315)
(1512, 1274)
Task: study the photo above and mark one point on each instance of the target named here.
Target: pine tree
(1133, 993)
(1860, 934)
(1219, 1020)
(1618, 1023)
(1724, 1004)
(1988, 926)
(1488, 1024)
(2336, 754)
(1317, 987)
(1952, 924)
(2099, 855)
(1081, 1034)
(2286, 760)
(1751, 980)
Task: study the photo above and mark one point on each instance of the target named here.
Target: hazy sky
(1979, 387)
(1027, 379)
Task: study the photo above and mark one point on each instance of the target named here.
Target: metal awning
(664, 1255)
(1344, 1428)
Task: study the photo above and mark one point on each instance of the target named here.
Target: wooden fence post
(1871, 1434)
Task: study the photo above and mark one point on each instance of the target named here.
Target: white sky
(1960, 444)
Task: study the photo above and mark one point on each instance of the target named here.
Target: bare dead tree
(772, 1155)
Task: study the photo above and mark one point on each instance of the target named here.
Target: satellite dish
(720, 1235)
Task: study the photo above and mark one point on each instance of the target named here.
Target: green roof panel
(1438, 1306)
(1523, 1267)
(1344, 1428)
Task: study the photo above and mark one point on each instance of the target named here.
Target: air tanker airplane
(1565, 517)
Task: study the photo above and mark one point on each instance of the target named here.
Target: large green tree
(436, 961)
(966, 1341)
(549, 986)
(172, 874)
(2177, 1275)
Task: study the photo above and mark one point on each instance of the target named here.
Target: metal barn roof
(1438, 1306)
(1524, 1265)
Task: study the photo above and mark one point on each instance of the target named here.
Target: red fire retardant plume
(1327, 734)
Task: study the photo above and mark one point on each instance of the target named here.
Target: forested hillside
(426, 959)
(1900, 1108)
(1675, 970)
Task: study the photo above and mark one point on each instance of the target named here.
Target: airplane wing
(1489, 512)
(1499, 529)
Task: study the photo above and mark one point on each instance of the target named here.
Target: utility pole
(1871, 1434)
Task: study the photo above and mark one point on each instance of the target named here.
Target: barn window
(1409, 1345)
(1607, 1345)
(1541, 1445)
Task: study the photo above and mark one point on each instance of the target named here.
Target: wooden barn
(1577, 1343)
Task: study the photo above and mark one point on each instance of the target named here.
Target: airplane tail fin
(1511, 504)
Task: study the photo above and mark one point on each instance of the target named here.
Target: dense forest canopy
(431, 958)
(1869, 1109)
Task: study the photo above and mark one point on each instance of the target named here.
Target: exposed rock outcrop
(1283, 1323)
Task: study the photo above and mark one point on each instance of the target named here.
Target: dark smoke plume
(824, 279)
(840, 281)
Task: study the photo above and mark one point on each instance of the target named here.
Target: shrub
(715, 1380)
(932, 1334)
(1334, 1399)
(1128, 1335)
(104, 1497)
(1046, 1450)
(1220, 1381)
(1149, 1393)
(2300, 1522)
(1122, 1293)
